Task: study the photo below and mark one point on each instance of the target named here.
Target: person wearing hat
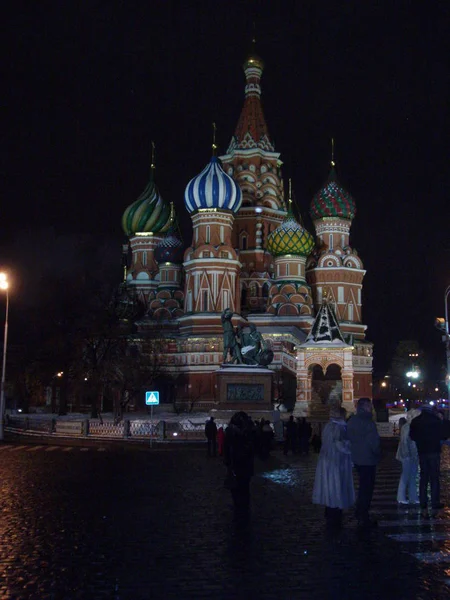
(333, 483)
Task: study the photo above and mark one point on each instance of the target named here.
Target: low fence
(186, 428)
(128, 429)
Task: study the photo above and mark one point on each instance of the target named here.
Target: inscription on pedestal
(245, 392)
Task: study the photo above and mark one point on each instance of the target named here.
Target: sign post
(151, 399)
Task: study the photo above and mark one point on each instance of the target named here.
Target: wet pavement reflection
(130, 524)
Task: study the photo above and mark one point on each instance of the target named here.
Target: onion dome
(213, 188)
(332, 200)
(290, 238)
(170, 249)
(149, 213)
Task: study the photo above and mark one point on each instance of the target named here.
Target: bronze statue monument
(246, 349)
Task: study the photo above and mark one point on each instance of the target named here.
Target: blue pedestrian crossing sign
(151, 398)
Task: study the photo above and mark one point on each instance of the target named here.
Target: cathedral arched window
(144, 258)
(265, 290)
(205, 301)
(208, 234)
(222, 234)
(244, 242)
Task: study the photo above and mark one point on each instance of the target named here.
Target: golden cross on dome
(152, 166)
(332, 153)
(214, 145)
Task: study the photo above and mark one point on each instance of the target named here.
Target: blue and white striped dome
(213, 188)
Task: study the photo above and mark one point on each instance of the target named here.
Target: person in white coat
(408, 456)
(333, 484)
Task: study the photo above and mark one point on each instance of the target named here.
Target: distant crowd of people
(343, 445)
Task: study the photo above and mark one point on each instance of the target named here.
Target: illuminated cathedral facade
(251, 254)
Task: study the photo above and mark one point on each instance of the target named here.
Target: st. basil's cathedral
(250, 253)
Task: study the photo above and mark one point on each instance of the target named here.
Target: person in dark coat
(239, 459)
(428, 431)
(211, 434)
(304, 433)
(290, 441)
(366, 453)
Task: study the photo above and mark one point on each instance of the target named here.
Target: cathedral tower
(253, 163)
(145, 222)
(211, 264)
(335, 271)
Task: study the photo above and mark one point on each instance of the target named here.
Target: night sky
(87, 86)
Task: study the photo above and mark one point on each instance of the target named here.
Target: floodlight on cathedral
(332, 200)
(212, 189)
(149, 213)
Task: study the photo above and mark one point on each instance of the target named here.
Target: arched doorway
(326, 389)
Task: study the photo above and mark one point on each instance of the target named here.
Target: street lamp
(447, 340)
(4, 286)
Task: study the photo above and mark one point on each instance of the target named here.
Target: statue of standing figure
(230, 343)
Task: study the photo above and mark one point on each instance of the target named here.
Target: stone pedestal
(244, 388)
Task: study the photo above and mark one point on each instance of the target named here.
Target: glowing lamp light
(175, 434)
(436, 389)
(431, 403)
(258, 209)
(412, 374)
(383, 384)
(3, 281)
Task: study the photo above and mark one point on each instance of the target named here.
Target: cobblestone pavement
(123, 524)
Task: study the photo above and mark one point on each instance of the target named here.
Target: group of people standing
(297, 435)
(345, 444)
(356, 443)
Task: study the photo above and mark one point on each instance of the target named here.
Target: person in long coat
(333, 484)
(408, 456)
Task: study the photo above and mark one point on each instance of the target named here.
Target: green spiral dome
(148, 214)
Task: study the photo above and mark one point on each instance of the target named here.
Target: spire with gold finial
(251, 130)
(214, 145)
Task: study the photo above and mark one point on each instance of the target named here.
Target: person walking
(239, 460)
(333, 483)
(211, 434)
(290, 441)
(407, 455)
(366, 452)
(428, 431)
